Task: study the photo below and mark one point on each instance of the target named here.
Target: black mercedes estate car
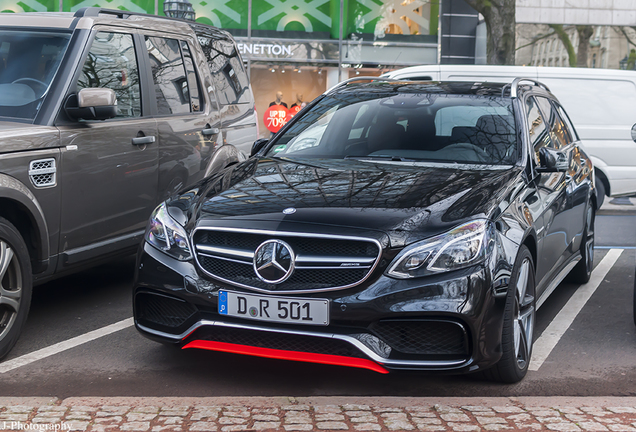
(391, 225)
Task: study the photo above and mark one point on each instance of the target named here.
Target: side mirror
(92, 104)
(551, 160)
(258, 146)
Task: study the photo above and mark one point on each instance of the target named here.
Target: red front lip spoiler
(288, 355)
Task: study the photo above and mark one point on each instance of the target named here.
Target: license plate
(275, 309)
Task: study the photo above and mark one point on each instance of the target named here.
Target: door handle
(210, 131)
(143, 140)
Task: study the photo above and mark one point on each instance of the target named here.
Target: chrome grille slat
(222, 254)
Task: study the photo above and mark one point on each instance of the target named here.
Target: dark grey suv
(104, 114)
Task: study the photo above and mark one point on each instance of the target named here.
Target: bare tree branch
(629, 39)
(567, 43)
(535, 40)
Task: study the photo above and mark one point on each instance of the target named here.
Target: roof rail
(362, 78)
(515, 85)
(95, 11)
(123, 14)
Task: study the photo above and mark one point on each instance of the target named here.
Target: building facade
(609, 46)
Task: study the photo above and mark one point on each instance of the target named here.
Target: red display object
(275, 117)
(292, 112)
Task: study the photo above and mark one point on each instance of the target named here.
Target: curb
(225, 414)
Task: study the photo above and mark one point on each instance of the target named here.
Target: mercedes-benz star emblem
(274, 261)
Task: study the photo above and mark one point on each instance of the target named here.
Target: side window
(230, 78)
(168, 73)
(556, 128)
(112, 63)
(568, 124)
(211, 57)
(537, 128)
(559, 131)
(196, 101)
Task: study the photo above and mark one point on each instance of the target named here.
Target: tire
(15, 286)
(600, 191)
(518, 325)
(583, 270)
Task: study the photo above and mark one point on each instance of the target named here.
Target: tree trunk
(585, 33)
(501, 24)
(567, 43)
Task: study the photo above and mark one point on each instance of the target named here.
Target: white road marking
(63, 346)
(559, 325)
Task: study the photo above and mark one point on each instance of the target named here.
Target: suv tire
(16, 285)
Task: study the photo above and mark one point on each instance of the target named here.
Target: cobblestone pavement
(319, 414)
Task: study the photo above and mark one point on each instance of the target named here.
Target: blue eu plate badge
(222, 302)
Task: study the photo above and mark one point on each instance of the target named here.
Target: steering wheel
(32, 80)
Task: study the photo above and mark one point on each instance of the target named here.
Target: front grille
(321, 263)
(43, 172)
(423, 337)
(162, 310)
(279, 341)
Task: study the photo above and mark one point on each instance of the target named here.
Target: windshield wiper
(380, 157)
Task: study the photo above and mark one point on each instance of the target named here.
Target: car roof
(439, 87)
(86, 18)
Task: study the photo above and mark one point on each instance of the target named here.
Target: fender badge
(289, 211)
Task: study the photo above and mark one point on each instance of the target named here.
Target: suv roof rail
(362, 78)
(95, 11)
(514, 86)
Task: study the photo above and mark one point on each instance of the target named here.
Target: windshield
(448, 128)
(28, 63)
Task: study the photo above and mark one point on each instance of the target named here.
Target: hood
(406, 201)
(19, 136)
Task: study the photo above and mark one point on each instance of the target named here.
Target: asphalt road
(594, 357)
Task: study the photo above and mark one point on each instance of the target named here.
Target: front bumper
(450, 322)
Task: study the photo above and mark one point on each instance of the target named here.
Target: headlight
(167, 235)
(461, 247)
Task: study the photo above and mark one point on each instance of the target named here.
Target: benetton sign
(268, 49)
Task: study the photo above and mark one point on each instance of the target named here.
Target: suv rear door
(233, 91)
(109, 180)
(188, 124)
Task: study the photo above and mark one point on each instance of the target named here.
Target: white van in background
(600, 102)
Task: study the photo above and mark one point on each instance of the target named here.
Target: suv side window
(168, 73)
(112, 63)
(196, 101)
(536, 128)
(228, 74)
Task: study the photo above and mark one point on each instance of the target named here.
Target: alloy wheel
(10, 288)
(523, 316)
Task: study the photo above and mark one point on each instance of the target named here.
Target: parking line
(63, 346)
(559, 325)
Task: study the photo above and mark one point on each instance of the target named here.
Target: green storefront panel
(28, 6)
(141, 6)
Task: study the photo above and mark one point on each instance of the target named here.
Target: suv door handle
(210, 131)
(143, 140)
